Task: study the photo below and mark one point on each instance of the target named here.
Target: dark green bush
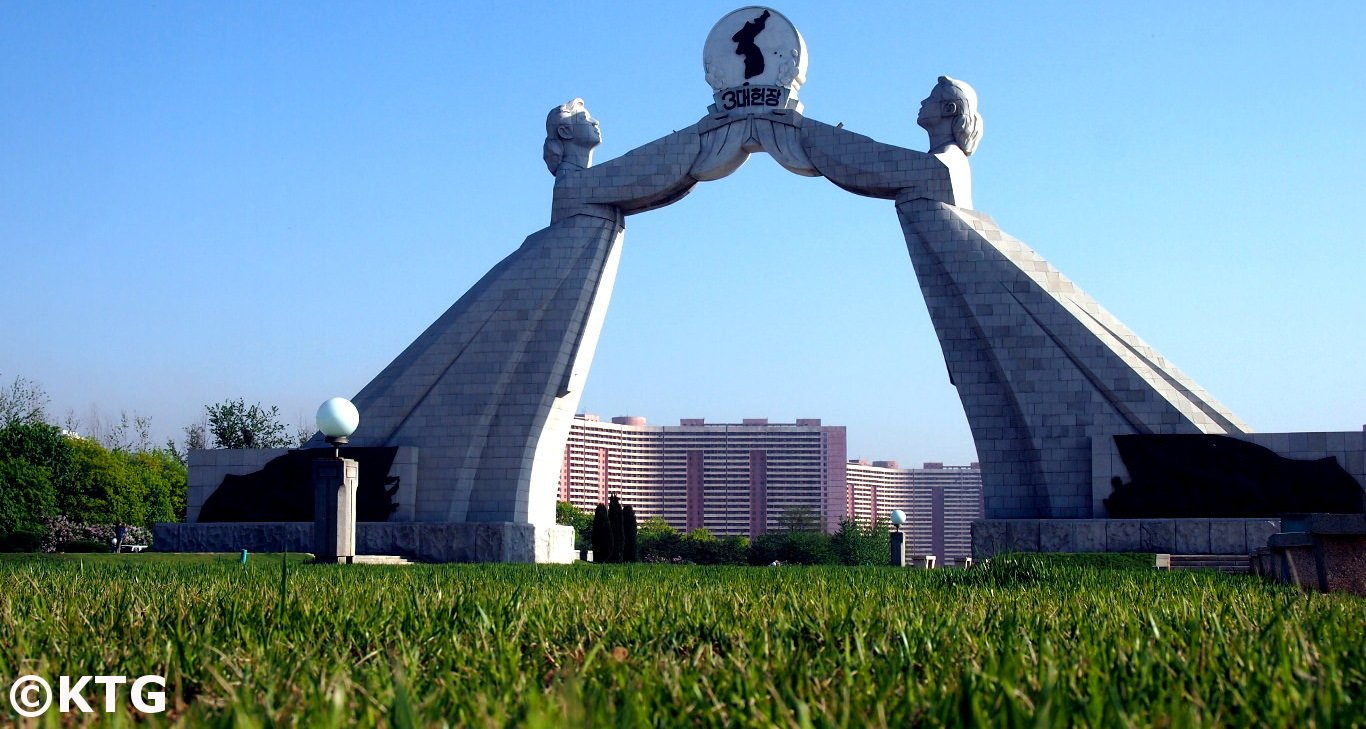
(24, 541)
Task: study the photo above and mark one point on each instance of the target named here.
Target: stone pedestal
(898, 549)
(1324, 552)
(335, 481)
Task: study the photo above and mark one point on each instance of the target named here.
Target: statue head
(950, 116)
(571, 133)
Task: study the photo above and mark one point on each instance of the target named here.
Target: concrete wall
(1171, 536)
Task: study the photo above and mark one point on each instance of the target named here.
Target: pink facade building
(940, 502)
(741, 478)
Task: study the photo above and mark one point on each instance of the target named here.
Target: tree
(40, 445)
(27, 497)
(860, 544)
(128, 436)
(602, 535)
(656, 541)
(196, 438)
(616, 523)
(630, 552)
(102, 488)
(798, 519)
(233, 424)
(24, 403)
(164, 480)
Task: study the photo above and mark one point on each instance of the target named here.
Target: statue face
(583, 130)
(932, 108)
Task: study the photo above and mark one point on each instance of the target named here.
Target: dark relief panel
(283, 489)
(1215, 476)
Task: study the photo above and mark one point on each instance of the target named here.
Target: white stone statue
(868, 167)
(487, 393)
(571, 133)
(950, 116)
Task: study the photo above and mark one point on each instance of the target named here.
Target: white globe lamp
(338, 419)
(898, 518)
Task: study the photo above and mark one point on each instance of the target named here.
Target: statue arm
(870, 168)
(648, 177)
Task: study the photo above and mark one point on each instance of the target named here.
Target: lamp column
(335, 481)
(898, 556)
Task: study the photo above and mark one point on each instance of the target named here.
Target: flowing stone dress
(1040, 367)
(488, 391)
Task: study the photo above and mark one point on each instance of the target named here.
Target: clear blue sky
(270, 200)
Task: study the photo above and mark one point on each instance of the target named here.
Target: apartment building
(940, 502)
(742, 478)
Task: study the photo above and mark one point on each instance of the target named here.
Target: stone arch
(487, 393)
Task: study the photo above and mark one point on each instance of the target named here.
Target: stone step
(1228, 563)
(381, 559)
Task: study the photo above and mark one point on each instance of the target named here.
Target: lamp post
(898, 518)
(335, 480)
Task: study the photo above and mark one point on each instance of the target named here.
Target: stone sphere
(338, 418)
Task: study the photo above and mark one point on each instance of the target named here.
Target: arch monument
(487, 393)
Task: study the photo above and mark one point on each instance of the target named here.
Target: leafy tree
(630, 552)
(101, 487)
(40, 445)
(196, 438)
(27, 497)
(571, 515)
(862, 544)
(602, 535)
(232, 424)
(656, 541)
(164, 479)
(24, 403)
(616, 523)
(128, 435)
(798, 519)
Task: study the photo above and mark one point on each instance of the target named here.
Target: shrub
(656, 541)
(24, 541)
(616, 520)
(631, 551)
(792, 548)
(602, 535)
(62, 531)
(862, 544)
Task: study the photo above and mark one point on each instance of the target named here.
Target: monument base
(1324, 552)
(991, 537)
(422, 541)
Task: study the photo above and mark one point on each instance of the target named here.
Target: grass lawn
(1023, 640)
